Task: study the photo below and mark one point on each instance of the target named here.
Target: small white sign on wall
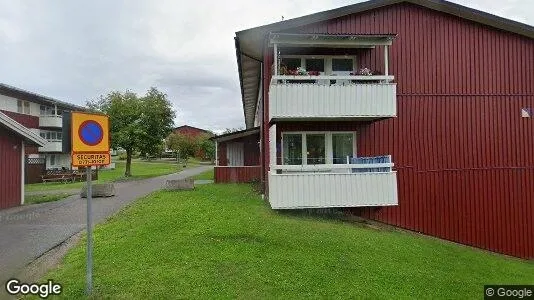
(526, 112)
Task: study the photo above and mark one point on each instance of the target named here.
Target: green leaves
(137, 123)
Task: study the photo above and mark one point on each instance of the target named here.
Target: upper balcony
(328, 77)
(50, 121)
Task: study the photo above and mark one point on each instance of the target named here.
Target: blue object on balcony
(371, 160)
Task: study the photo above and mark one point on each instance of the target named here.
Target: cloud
(78, 50)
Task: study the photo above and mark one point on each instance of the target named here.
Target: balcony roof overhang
(330, 40)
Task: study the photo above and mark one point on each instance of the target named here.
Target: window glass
(19, 106)
(290, 63)
(342, 146)
(48, 135)
(43, 135)
(315, 149)
(342, 64)
(42, 110)
(59, 135)
(26, 107)
(292, 149)
(315, 64)
(52, 159)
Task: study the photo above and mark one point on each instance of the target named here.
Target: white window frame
(327, 62)
(329, 153)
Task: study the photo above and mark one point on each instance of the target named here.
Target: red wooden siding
(10, 169)
(26, 120)
(462, 151)
(237, 174)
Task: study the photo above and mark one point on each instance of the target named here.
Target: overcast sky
(77, 50)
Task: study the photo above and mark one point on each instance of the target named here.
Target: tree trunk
(127, 172)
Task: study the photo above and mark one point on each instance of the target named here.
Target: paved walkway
(27, 232)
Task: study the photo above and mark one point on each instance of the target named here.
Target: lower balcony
(52, 146)
(340, 186)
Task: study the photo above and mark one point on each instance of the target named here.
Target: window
(51, 135)
(315, 149)
(315, 64)
(52, 159)
(342, 146)
(320, 148)
(23, 107)
(342, 64)
(42, 110)
(292, 149)
(26, 107)
(291, 63)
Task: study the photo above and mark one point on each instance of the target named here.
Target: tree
(207, 145)
(136, 123)
(183, 144)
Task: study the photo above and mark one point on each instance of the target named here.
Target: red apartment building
(414, 113)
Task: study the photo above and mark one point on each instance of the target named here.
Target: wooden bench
(67, 177)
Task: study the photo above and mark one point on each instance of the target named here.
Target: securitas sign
(90, 139)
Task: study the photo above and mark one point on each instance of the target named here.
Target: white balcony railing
(332, 97)
(50, 121)
(52, 146)
(323, 190)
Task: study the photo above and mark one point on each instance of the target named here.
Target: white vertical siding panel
(321, 190)
(313, 100)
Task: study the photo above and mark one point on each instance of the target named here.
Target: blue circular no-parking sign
(90, 132)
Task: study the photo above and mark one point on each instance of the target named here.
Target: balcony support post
(275, 59)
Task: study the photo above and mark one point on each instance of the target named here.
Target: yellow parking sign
(90, 139)
(89, 133)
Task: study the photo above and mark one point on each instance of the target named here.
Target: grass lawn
(34, 199)
(208, 175)
(140, 169)
(222, 241)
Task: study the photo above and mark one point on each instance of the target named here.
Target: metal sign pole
(89, 233)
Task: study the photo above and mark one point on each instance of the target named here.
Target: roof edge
(40, 97)
(438, 5)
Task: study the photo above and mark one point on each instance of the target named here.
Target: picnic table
(62, 177)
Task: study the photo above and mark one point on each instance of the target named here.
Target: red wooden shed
(14, 137)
